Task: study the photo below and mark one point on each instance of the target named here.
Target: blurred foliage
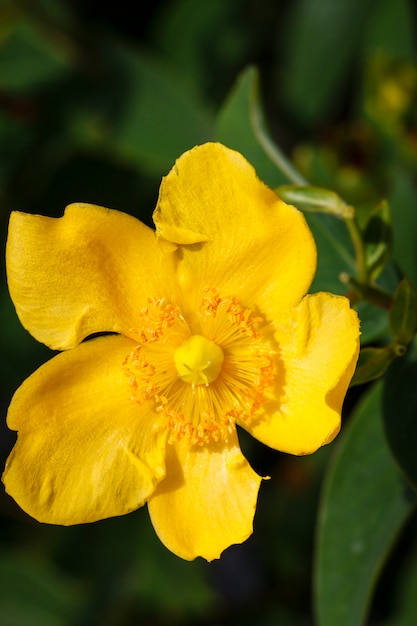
(96, 103)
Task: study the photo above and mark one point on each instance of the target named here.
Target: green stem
(370, 293)
(377, 297)
(361, 286)
(357, 241)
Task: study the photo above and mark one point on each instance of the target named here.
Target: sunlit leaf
(315, 199)
(241, 125)
(234, 126)
(237, 128)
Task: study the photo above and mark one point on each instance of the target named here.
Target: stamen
(203, 374)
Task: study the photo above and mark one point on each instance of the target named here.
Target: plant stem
(361, 286)
(370, 293)
(357, 241)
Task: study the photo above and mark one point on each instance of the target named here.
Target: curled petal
(207, 500)
(86, 272)
(318, 350)
(234, 233)
(84, 451)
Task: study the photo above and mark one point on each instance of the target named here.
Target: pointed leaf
(365, 503)
(234, 126)
(377, 238)
(372, 364)
(315, 199)
(240, 125)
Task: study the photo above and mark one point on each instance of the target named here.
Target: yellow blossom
(205, 324)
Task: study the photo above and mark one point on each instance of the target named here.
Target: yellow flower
(208, 327)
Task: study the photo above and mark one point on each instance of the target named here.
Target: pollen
(203, 374)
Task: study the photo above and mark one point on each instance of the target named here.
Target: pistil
(198, 360)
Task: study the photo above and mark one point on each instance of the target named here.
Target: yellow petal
(235, 234)
(88, 271)
(85, 451)
(319, 348)
(207, 500)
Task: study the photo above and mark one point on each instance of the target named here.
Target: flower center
(204, 373)
(198, 360)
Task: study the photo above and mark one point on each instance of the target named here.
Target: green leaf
(374, 324)
(335, 254)
(161, 118)
(372, 364)
(403, 314)
(234, 127)
(377, 238)
(400, 412)
(364, 506)
(241, 126)
(315, 199)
